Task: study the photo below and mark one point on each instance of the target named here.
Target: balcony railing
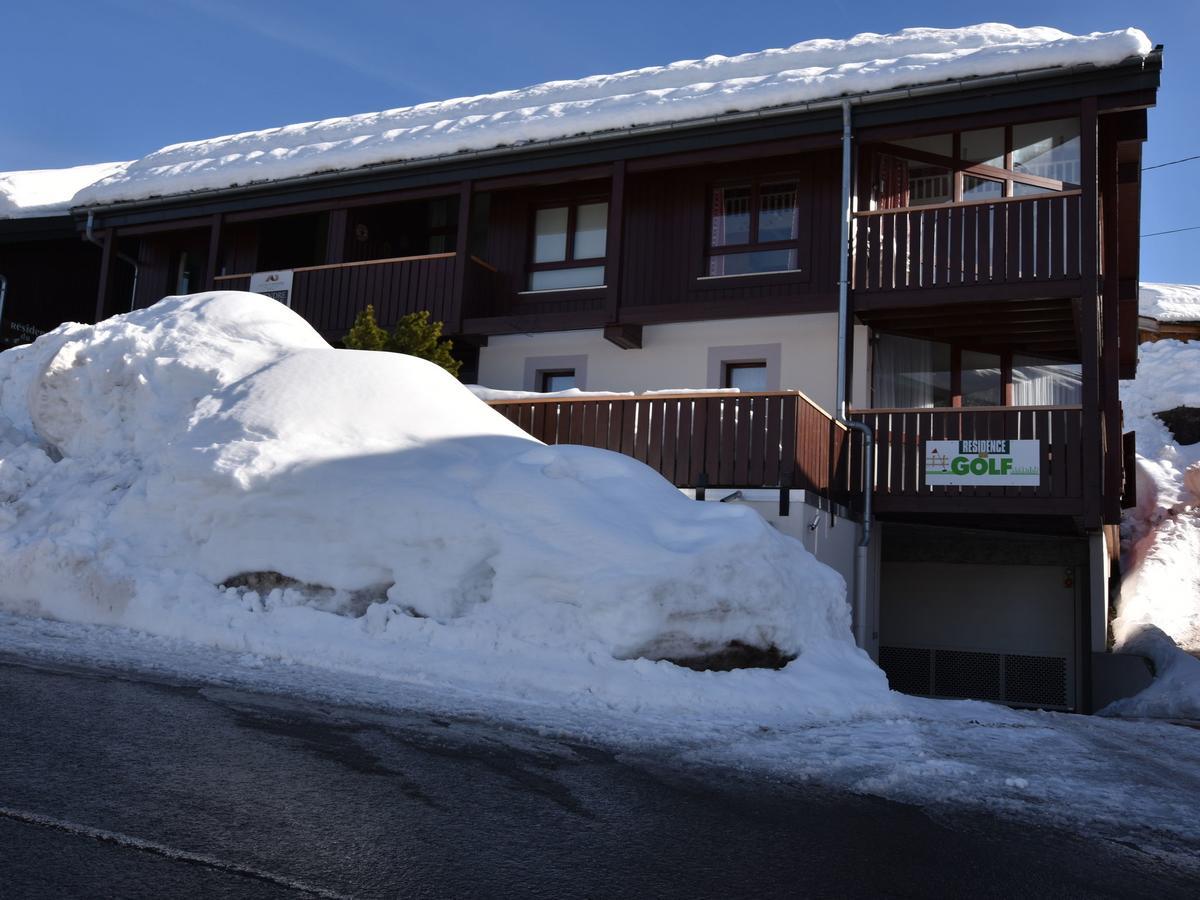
(900, 435)
(698, 440)
(998, 242)
(784, 440)
(331, 296)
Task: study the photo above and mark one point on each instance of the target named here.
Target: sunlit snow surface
(810, 71)
(157, 468)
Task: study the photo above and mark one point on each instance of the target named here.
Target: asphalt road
(115, 786)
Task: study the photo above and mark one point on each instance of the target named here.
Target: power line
(1173, 162)
(1172, 231)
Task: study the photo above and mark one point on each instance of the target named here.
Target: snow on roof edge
(1169, 302)
(36, 193)
(685, 91)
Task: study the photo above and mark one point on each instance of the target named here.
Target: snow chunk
(210, 469)
(47, 192)
(690, 89)
(1169, 302)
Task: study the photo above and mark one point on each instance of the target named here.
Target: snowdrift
(210, 469)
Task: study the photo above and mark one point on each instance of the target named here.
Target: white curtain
(1043, 382)
(910, 373)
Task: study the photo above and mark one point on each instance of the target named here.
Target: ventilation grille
(1003, 677)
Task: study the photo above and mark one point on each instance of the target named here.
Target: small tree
(366, 334)
(414, 334)
(417, 336)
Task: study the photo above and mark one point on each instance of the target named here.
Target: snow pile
(691, 89)
(1169, 302)
(210, 469)
(46, 192)
(1159, 608)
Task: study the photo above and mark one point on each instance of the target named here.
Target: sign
(983, 462)
(276, 285)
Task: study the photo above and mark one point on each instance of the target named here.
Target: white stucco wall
(678, 356)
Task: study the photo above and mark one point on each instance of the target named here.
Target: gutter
(862, 551)
(909, 93)
(87, 234)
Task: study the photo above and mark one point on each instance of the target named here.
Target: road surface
(122, 786)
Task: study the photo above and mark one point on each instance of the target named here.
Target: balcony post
(615, 245)
(214, 251)
(106, 258)
(1089, 319)
(462, 247)
(335, 237)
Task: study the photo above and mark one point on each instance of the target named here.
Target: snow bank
(210, 469)
(806, 72)
(1158, 611)
(1169, 302)
(45, 192)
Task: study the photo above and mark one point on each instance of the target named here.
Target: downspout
(862, 551)
(124, 257)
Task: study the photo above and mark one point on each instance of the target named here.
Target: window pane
(1048, 149)
(1029, 190)
(749, 263)
(562, 279)
(746, 376)
(981, 381)
(1046, 382)
(941, 144)
(902, 182)
(730, 216)
(981, 188)
(778, 215)
(591, 230)
(558, 381)
(550, 235)
(908, 373)
(984, 146)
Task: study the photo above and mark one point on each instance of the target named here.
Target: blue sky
(114, 79)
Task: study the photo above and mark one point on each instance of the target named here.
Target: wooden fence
(1004, 241)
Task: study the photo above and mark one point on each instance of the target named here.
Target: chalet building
(914, 257)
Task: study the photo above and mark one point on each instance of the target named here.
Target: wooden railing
(1013, 240)
(777, 439)
(330, 296)
(900, 435)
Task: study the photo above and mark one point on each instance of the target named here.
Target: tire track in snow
(136, 843)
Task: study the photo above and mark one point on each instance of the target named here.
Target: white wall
(677, 356)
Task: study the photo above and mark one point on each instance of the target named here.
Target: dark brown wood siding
(49, 282)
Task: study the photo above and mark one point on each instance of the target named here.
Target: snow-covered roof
(807, 72)
(46, 192)
(1169, 302)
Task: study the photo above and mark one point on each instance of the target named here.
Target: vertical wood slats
(1005, 242)
(749, 440)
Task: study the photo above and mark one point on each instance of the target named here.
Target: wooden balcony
(899, 479)
(1013, 248)
(330, 296)
(784, 440)
(701, 440)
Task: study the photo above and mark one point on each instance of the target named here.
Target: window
(569, 246)
(552, 380)
(746, 376)
(908, 373)
(982, 380)
(755, 228)
(980, 165)
(1046, 382)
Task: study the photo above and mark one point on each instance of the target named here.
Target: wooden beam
(1110, 322)
(462, 242)
(1091, 436)
(214, 252)
(541, 179)
(106, 262)
(624, 335)
(614, 249)
(737, 153)
(335, 236)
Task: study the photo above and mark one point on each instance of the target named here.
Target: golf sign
(994, 463)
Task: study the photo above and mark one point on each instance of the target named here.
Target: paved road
(121, 787)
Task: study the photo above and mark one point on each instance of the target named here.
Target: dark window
(985, 164)
(754, 228)
(568, 246)
(551, 380)
(746, 376)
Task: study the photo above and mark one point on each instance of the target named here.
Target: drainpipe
(124, 257)
(862, 551)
